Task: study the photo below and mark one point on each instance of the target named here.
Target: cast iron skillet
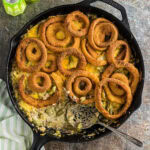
(85, 7)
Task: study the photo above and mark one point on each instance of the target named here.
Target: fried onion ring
(37, 102)
(115, 89)
(112, 97)
(51, 64)
(98, 98)
(73, 84)
(42, 86)
(77, 23)
(33, 53)
(26, 45)
(121, 45)
(99, 30)
(71, 52)
(55, 36)
(90, 54)
(130, 67)
(84, 91)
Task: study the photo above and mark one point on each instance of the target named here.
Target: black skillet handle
(39, 141)
(113, 4)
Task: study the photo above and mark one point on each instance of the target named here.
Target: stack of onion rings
(118, 44)
(27, 47)
(78, 17)
(73, 86)
(91, 55)
(98, 98)
(38, 102)
(99, 30)
(55, 36)
(130, 67)
(71, 52)
(37, 87)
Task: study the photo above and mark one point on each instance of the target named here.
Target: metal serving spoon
(88, 116)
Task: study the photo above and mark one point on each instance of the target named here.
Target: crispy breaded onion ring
(121, 45)
(77, 23)
(99, 31)
(87, 88)
(39, 86)
(90, 55)
(55, 36)
(33, 53)
(115, 89)
(71, 52)
(26, 45)
(98, 98)
(51, 64)
(74, 90)
(111, 90)
(130, 67)
(37, 102)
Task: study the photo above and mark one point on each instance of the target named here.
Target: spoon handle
(120, 133)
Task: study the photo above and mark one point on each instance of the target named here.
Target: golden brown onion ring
(98, 98)
(130, 67)
(115, 89)
(101, 28)
(111, 51)
(71, 52)
(95, 61)
(50, 34)
(37, 102)
(39, 86)
(76, 77)
(91, 51)
(33, 53)
(52, 66)
(57, 35)
(113, 98)
(87, 88)
(21, 55)
(72, 22)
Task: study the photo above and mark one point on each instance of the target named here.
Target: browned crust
(21, 58)
(73, 16)
(85, 47)
(98, 98)
(69, 85)
(130, 67)
(34, 86)
(53, 67)
(101, 44)
(110, 53)
(71, 52)
(43, 30)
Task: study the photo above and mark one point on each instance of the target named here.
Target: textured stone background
(139, 18)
